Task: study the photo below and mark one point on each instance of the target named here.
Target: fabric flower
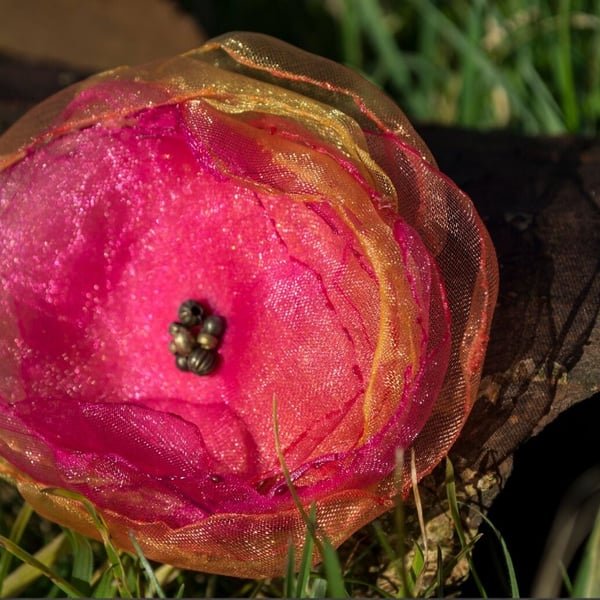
(286, 196)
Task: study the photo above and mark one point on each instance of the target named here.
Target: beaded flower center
(195, 339)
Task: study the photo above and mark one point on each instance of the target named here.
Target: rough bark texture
(540, 199)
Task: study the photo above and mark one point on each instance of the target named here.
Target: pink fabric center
(96, 273)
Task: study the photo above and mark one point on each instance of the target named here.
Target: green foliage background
(528, 65)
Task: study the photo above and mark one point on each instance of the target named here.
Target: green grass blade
(382, 39)
(83, 561)
(439, 573)
(547, 113)
(350, 34)
(417, 566)
(512, 576)
(32, 561)
(24, 575)
(489, 74)
(318, 588)
(106, 586)
(307, 555)
(429, 75)
(564, 70)
(111, 551)
(399, 517)
(15, 535)
(453, 503)
(469, 98)
(286, 472)
(591, 103)
(587, 580)
(566, 580)
(383, 540)
(290, 573)
(147, 568)
(133, 572)
(333, 570)
(336, 587)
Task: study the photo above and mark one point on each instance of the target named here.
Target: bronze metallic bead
(175, 327)
(202, 361)
(208, 341)
(214, 325)
(190, 313)
(181, 363)
(182, 342)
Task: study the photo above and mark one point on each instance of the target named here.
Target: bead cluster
(195, 339)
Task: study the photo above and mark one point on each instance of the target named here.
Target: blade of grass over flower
(306, 560)
(290, 573)
(32, 561)
(399, 517)
(83, 561)
(286, 473)
(452, 501)
(331, 564)
(146, 567)
(15, 535)
(111, 552)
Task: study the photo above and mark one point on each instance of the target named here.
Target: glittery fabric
(286, 194)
